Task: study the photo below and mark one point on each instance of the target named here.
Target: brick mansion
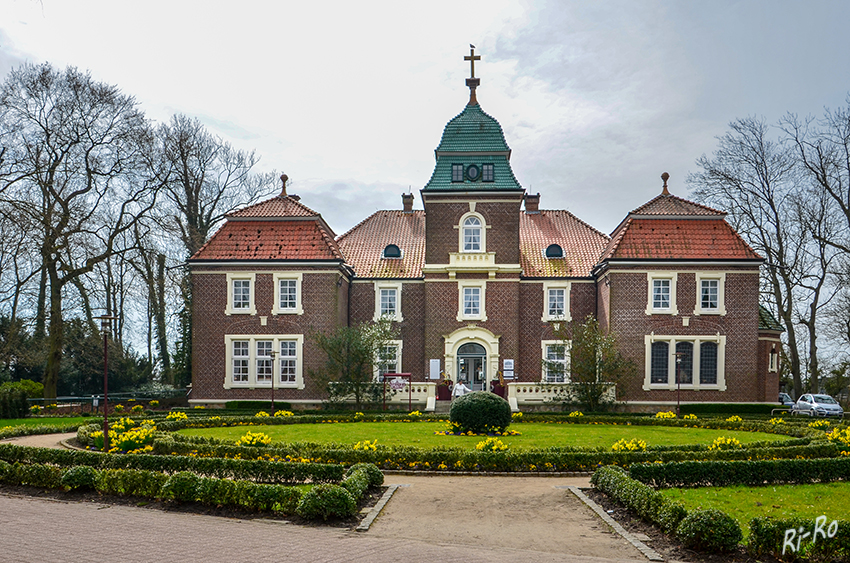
(477, 284)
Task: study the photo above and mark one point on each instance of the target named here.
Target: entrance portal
(472, 366)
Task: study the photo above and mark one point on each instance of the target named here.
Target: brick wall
(629, 322)
(325, 304)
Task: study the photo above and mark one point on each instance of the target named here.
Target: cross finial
(472, 58)
(472, 82)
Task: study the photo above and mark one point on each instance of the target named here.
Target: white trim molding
(720, 278)
(463, 285)
(544, 347)
(241, 276)
(389, 286)
(651, 278)
(696, 341)
(289, 276)
(556, 285)
(250, 369)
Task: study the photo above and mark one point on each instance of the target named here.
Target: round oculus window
(473, 172)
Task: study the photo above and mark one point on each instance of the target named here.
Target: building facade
(478, 283)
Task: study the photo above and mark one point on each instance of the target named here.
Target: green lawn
(533, 435)
(779, 501)
(47, 421)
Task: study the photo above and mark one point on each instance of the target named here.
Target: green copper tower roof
(473, 138)
(473, 154)
(473, 130)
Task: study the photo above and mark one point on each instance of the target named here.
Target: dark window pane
(685, 361)
(708, 363)
(658, 367)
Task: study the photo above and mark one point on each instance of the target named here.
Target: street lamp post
(273, 353)
(678, 380)
(105, 325)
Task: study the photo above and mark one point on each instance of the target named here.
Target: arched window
(472, 234)
(392, 251)
(554, 251)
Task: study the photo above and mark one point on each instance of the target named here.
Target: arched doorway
(472, 366)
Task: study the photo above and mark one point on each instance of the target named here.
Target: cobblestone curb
(650, 553)
(379, 506)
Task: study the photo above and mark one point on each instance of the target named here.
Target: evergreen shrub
(181, 486)
(646, 502)
(13, 401)
(376, 476)
(709, 530)
(79, 477)
(326, 501)
(480, 412)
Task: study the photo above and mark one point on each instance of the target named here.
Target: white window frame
(483, 229)
(651, 277)
(544, 347)
(481, 285)
(299, 307)
(720, 278)
(773, 359)
(396, 286)
(241, 276)
(252, 382)
(697, 340)
(398, 345)
(556, 285)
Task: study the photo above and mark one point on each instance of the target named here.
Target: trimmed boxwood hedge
(255, 470)
(752, 473)
(646, 502)
(480, 412)
(459, 459)
(767, 536)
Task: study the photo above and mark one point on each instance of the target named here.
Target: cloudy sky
(597, 98)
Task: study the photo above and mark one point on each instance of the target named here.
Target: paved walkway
(435, 518)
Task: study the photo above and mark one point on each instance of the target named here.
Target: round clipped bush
(326, 501)
(709, 530)
(480, 412)
(376, 477)
(181, 486)
(79, 477)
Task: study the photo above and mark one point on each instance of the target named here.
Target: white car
(817, 405)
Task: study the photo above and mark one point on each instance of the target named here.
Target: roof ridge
(677, 198)
(287, 199)
(334, 247)
(574, 216)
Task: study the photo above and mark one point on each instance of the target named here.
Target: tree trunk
(159, 312)
(55, 336)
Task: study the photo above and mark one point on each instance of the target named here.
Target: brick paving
(35, 529)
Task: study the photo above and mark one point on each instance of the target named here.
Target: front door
(472, 366)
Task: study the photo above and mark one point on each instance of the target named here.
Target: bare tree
(754, 180)
(205, 178)
(73, 172)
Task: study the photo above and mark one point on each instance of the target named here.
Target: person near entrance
(460, 389)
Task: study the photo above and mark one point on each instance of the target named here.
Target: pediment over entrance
(471, 339)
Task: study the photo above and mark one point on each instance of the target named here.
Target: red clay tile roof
(275, 207)
(581, 243)
(364, 244)
(685, 239)
(297, 239)
(673, 205)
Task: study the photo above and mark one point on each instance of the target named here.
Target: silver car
(817, 405)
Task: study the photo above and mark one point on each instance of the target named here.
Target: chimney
(283, 179)
(531, 203)
(407, 201)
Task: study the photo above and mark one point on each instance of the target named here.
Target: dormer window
(473, 172)
(392, 251)
(487, 173)
(457, 172)
(554, 251)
